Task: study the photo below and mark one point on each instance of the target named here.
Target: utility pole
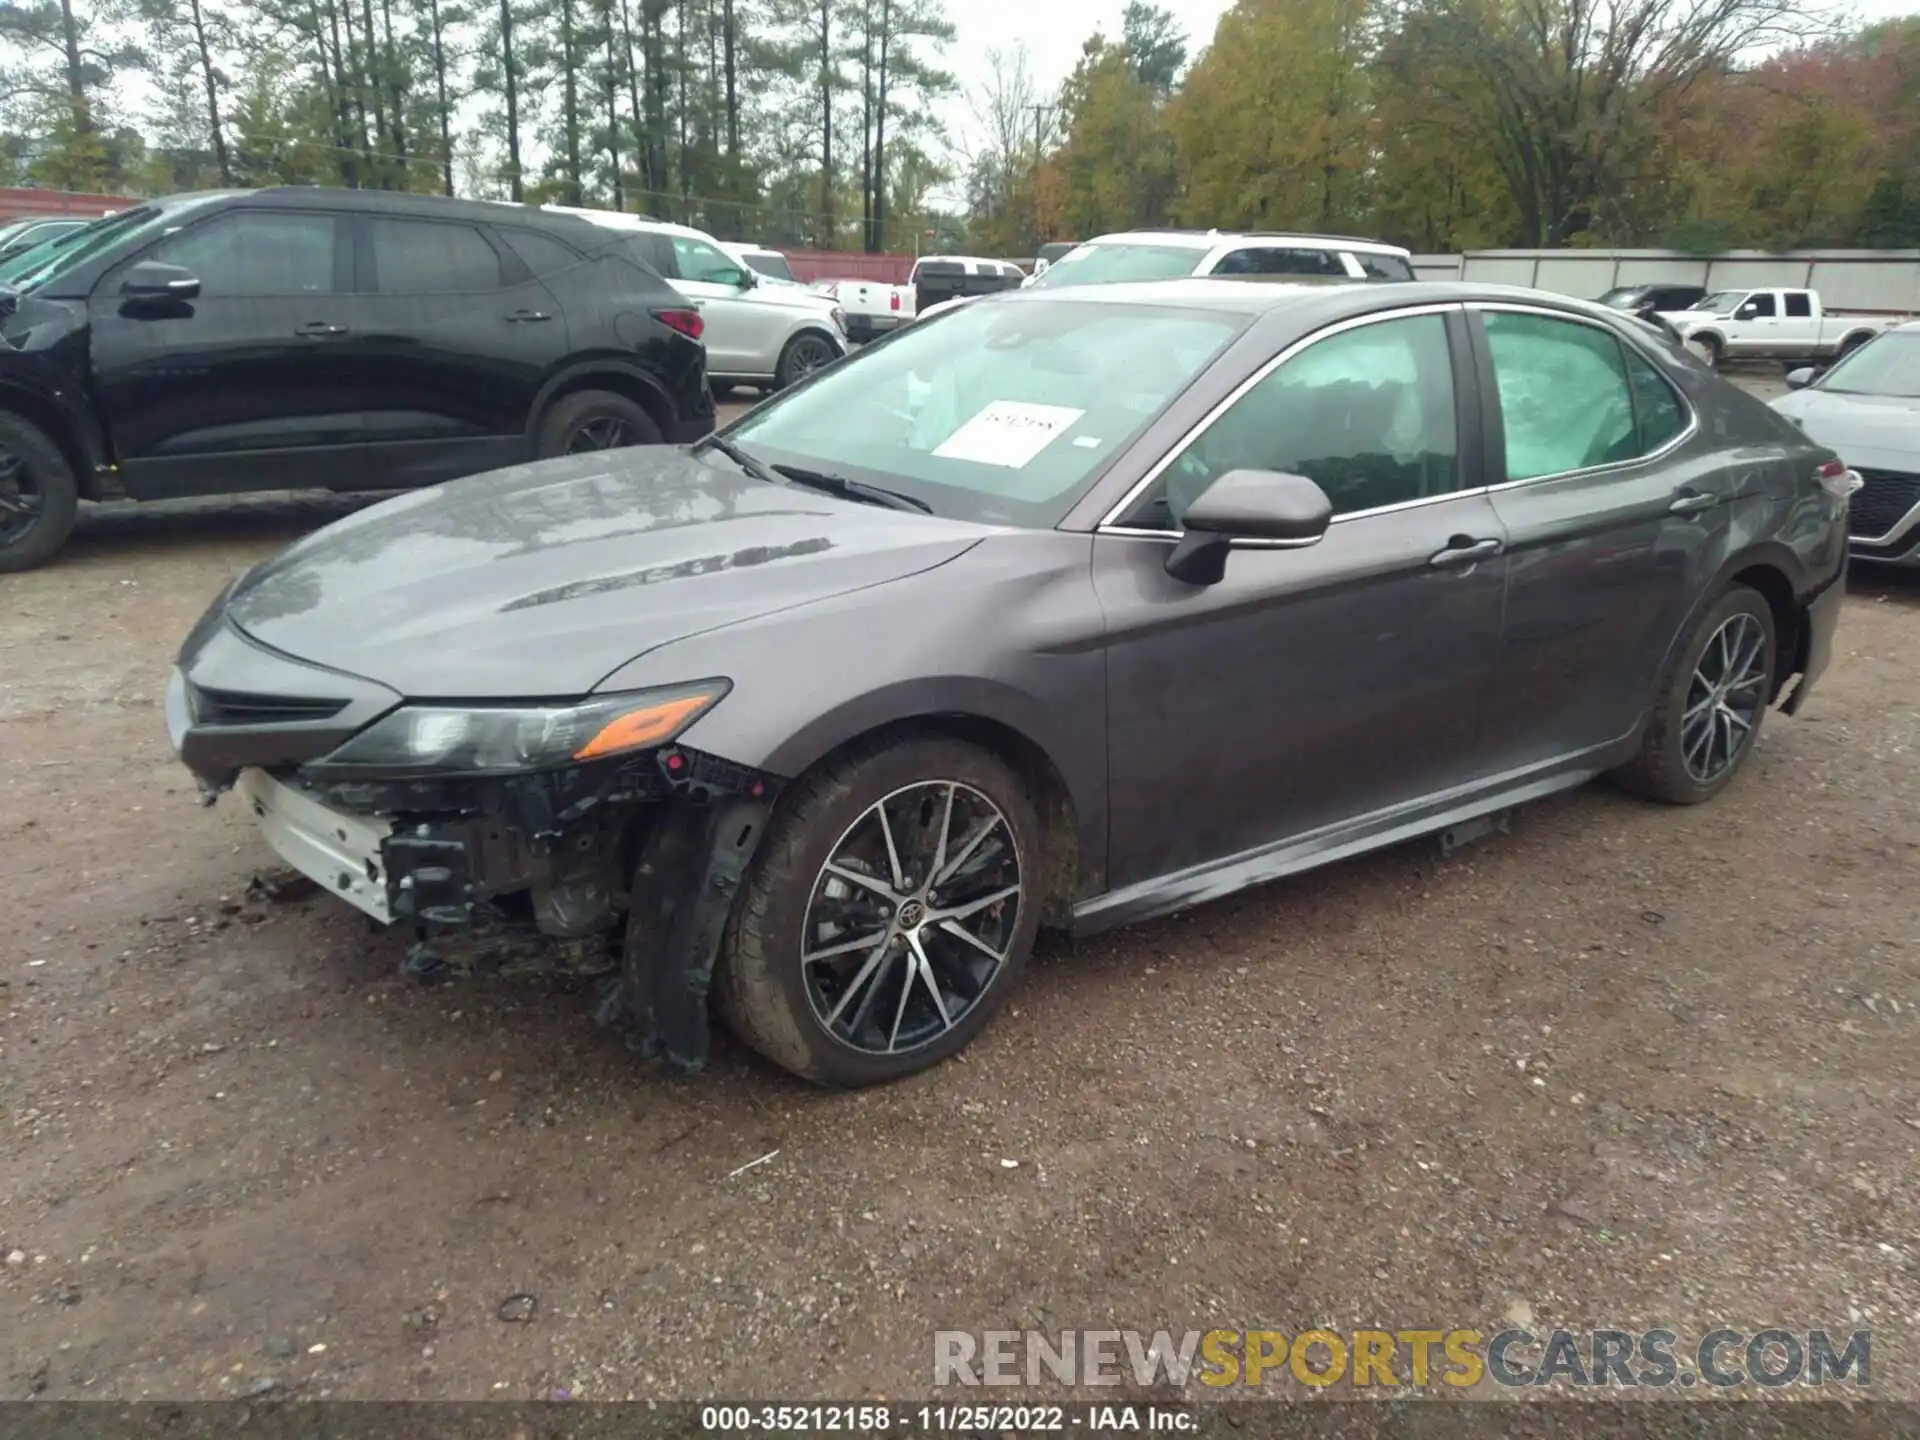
(1033, 177)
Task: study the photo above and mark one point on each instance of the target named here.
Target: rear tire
(594, 420)
(39, 496)
(784, 1005)
(1713, 673)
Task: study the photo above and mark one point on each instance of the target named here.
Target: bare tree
(1571, 86)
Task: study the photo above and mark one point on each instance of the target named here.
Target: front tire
(39, 496)
(1709, 704)
(891, 910)
(1710, 349)
(594, 420)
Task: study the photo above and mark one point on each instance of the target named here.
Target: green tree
(1272, 123)
(1155, 43)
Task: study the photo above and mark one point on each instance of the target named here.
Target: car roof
(622, 220)
(385, 202)
(1257, 296)
(1209, 239)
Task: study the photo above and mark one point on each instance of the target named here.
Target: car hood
(1881, 432)
(540, 580)
(790, 297)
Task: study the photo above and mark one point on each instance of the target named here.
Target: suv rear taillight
(687, 322)
(893, 301)
(1837, 480)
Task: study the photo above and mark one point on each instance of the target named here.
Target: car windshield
(1722, 302)
(774, 265)
(1888, 366)
(1106, 264)
(996, 412)
(50, 259)
(1623, 298)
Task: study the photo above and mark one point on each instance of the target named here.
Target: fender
(1770, 553)
(608, 363)
(72, 426)
(933, 698)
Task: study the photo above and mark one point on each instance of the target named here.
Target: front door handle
(1462, 551)
(1691, 502)
(320, 329)
(527, 317)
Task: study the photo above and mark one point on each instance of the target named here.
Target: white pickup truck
(1773, 325)
(872, 309)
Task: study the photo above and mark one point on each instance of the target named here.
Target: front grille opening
(238, 707)
(1884, 501)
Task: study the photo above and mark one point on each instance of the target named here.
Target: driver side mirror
(1804, 376)
(1282, 509)
(743, 279)
(150, 280)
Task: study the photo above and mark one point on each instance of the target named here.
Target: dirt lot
(1623, 1065)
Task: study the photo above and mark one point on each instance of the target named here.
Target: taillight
(893, 301)
(687, 322)
(1837, 480)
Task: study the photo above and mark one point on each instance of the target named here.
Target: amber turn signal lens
(649, 725)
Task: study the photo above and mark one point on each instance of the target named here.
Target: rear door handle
(1464, 551)
(526, 317)
(1692, 503)
(320, 328)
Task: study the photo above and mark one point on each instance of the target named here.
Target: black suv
(346, 339)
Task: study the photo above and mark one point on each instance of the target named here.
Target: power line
(240, 148)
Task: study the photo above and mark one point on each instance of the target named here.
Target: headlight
(483, 740)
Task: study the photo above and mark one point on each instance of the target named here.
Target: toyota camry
(1068, 608)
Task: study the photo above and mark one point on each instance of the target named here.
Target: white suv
(765, 335)
(1167, 254)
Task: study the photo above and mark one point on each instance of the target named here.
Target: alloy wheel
(911, 917)
(20, 499)
(1724, 698)
(599, 432)
(810, 353)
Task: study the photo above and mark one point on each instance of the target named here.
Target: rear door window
(1799, 304)
(542, 253)
(431, 257)
(1564, 396)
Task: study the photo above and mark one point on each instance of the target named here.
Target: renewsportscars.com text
(1459, 1358)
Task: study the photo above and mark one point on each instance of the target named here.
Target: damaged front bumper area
(625, 865)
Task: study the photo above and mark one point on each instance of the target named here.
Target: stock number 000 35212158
(865, 1419)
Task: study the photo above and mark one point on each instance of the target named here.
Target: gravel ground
(1624, 1065)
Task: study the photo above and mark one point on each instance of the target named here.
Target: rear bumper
(1822, 619)
(864, 328)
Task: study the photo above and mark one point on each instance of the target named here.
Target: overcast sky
(1054, 30)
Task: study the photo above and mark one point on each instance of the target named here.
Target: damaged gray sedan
(1064, 609)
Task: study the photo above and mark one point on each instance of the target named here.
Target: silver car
(1867, 409)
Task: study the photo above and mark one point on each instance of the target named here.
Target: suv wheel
(39, 497)
(890, 912)
(805, 353)
(1709, 705)
(595, 420)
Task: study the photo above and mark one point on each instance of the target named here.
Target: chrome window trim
(1110, 522)
(1687, 432)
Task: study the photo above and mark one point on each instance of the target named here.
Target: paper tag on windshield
(1007, 432)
